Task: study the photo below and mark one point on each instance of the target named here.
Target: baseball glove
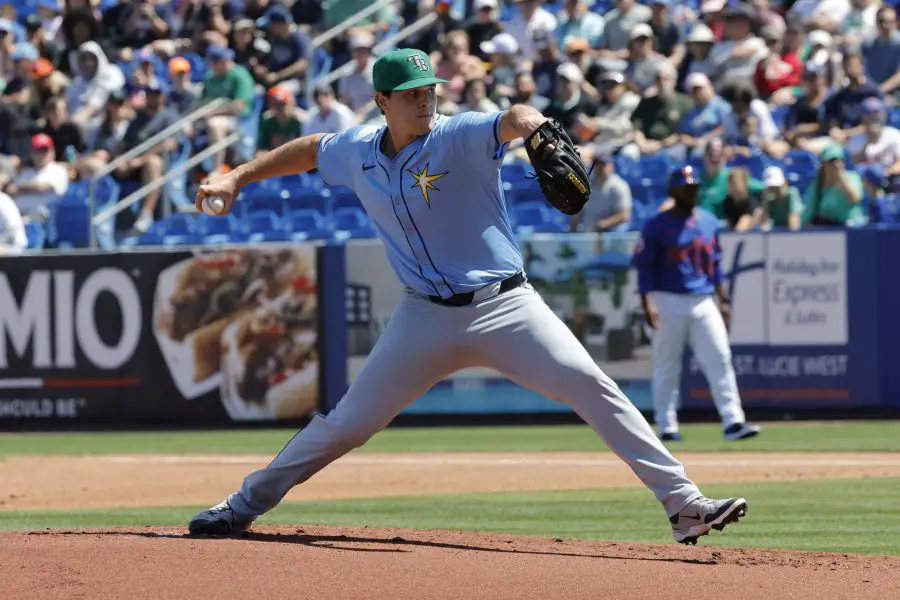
(561, 174)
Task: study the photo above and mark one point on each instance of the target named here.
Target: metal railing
(163, 135)
(137, 195)
(380, 47)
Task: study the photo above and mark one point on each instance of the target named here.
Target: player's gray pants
(516, 334)
(693, 320)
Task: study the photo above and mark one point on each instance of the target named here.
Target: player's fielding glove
(561, 174)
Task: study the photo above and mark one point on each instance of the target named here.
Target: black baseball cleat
(701, 515)
(219, 520)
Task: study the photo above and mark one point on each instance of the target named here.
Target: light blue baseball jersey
(438, 205)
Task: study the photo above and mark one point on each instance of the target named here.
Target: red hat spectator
(41, 141)
(279, 94)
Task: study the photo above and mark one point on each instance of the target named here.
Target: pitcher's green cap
(403, 69)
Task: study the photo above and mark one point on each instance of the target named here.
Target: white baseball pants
(695, 320)
(516, 334)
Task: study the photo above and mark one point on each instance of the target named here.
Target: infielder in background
(431, 185)
(679, 276)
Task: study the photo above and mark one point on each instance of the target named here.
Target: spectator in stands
(735, 58)
(145, 71)
(184, 94)
(706, 120)
(530, 23)
(666, 33)
(821, 50)
(699, 44)
(578, 22)
(79, 26)
(619, 23)
(251, 51)
(7, 43)
(835, 196)
(882, 55)
(95, 77)
(745, 104)
(39, 186)
(643, 61)
(715, 179)
(137, 24)
(570, 105)
(287, 63)
(780, 69)
(281, 123)
(781, 204)
(612, 123)
(544, 68)
(503, 50)
(46, 82)
(874, 184)
(66, 136)
(819, 14)
(878, 143)
(843, 109)
(433, 38)
(657, 116)
(483, 26)
(475, 98)
(712, 15)
(195, 18)
(457, 65)
(356, 90)
(328, 115)
(12, 227)
(526, 92)
(768, 18)
(609, 207)
(225, 79)
(859, 24)
(149, 166)
(740, 209)
(17, 125)
(105, 138)
(805, 125)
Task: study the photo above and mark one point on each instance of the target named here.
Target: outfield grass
(860, 515)
(873, 436)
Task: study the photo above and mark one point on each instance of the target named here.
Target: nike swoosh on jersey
(367, 167)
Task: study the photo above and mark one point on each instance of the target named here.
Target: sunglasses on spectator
(40, 150)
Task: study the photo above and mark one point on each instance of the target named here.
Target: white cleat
(219, 520)
(701, 515)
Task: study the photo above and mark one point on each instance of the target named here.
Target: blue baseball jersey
(679, 255)
(438, 205)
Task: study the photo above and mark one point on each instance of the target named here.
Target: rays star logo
(425, 182)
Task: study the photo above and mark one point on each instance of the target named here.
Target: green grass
(861, 515)
(879, 436)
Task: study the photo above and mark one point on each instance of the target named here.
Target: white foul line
(26, 383)
(488, 461)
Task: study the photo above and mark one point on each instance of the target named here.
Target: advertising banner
(585, 278)
(211, 334)
(790, 336)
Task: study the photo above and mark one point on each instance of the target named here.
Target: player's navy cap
(683, 176)
(403, 69)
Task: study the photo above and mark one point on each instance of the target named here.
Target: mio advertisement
(789, 333)
(585, 278)
(212, 335)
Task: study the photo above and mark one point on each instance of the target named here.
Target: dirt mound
(329, 562)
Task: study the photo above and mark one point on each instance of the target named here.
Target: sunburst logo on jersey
(425, 182)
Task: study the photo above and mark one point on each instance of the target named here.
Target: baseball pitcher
(431, 185)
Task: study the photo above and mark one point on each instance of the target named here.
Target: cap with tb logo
(403, 69)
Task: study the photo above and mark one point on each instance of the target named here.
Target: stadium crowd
(788, 109)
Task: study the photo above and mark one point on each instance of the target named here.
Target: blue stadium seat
(264, 201)
(651, 193)
(530, 214)
(344, 198)
(779, 115)
(888, 209)
(800, 162)
(262, 226)
(755, 164)
(36, 234)
(71, 224)
(514, 172)
(653, 168)
(308, 225)
(309, 199)
(352, 223)
(198, 66)
(178, 224)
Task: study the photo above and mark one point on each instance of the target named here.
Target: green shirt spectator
(714, 189)
(281, 124)
(227, 79)
(834, 198)
(781, 203)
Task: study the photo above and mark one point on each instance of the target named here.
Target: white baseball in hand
(213, 206)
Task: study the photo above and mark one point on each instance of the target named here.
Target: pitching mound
(328, 562)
